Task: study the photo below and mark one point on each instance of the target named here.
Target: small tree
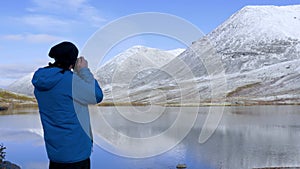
(2, 152)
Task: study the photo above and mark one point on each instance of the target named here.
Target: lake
(247, 137)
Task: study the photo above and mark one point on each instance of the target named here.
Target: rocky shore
(8, 165)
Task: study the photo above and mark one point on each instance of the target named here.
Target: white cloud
(46, 22)
(12, 72)
(90, 14)
(13, 37)
(42, 38)
(33, 38)
(61, 13)
(56, 5)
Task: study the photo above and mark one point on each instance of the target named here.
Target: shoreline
(5, 106)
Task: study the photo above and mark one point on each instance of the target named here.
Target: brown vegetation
(241, 88)
(10, 100)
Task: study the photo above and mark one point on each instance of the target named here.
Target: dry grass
(241, 88)
(10, 100)
(12, 96)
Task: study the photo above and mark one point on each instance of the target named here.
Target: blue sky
(30, 27)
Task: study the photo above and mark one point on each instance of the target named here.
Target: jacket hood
(46, 78)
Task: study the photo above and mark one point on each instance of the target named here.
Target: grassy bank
(10, 100)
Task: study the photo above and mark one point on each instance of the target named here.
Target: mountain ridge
(241, 53)
(259, 49)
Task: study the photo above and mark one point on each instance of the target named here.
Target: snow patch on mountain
(253, 57)
(23, 85)
(258, 48)
(138, 60)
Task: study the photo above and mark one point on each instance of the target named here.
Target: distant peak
(254, 7)
(271, 10)
(176, 52)
(138, 46)
(268, 22)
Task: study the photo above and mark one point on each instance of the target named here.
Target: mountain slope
(132, 60)
(136, 58)
(260, 43)
(23, 85)
(258, 48)
(252, 57)
(257, 36)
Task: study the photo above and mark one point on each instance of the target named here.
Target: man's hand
(80, 63)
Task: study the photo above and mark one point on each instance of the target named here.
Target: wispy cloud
(42, 23)
(57, 5)
(33, 38)
(45, 22)
(12, 72)
(62, 14)
(13, 37)
(90, 14)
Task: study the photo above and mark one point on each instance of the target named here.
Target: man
(63, 98)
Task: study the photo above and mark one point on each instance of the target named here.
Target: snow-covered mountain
(252, 57)
(134, 59)
(259, 48)
(23, 85)
(129, 67)
(258, 36)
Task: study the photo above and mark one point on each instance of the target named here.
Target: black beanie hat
(64, 53)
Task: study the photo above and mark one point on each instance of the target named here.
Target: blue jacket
(63, 100)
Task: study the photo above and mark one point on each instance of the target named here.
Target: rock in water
(181, 166)
(3, 108)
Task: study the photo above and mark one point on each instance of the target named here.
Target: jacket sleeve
(85, 88)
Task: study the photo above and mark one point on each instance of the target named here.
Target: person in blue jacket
(63, 97)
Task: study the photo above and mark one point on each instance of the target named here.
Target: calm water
(247, 137)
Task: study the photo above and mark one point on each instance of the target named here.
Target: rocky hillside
(252, 58)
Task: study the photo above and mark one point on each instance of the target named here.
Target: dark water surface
(247, 137)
